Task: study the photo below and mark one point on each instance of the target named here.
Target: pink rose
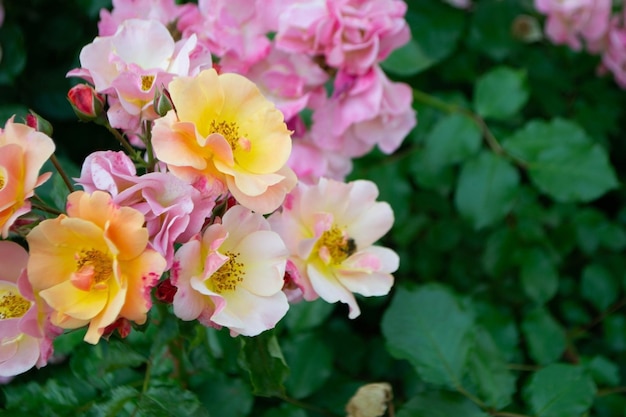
(23, 151)
(174, 210)
(364, 111)
(290, 81)
(164, 11)
(25, 331)
(108, 171)
(353, 35)
(614, 57)
(132, 64)
(330, 229)
(572, 20)
(228, 28)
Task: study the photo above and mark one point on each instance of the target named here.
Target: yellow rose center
(229, 130)
(99, 262)
(146, 82)
(12, 305)
(334, 246)
(228, 275)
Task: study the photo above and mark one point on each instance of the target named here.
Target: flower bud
(87, 104)
(39, 123)
(162, 102)
(165, 291)
(122, 326)
(527, 29)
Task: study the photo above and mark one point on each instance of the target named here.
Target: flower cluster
(225, 198)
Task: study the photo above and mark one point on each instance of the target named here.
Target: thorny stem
(62, 173)
(523, 367)
(491, 140)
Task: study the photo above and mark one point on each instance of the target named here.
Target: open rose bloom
(25, 332)
(23, 151)
(225, 133)
(330, 230)
(232, 275)
(93, 265)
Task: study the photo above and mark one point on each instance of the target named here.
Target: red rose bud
(87, 104)
(165, 291)
(162, 102)
(122, 326)
(39, 123)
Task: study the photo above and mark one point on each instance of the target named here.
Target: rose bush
(294, 208)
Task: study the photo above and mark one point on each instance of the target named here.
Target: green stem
(148, 142)
(471, 397)
(577, 332)
(62, 173)
(439, 104)
(506, 414)
(608, 391)
(144, 388)
(122, 140)
(41, 205)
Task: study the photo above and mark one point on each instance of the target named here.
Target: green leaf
(407, 60)
(454, 138)
(224, 395)
(539, 277)
(500, 93)
(599, 286)
(615, 332)
(545, 338)
(121, 397)
(100, 365)
(427, 326)
(435, 29)
(262, 358)
(307, 315)
(488, 370)
(170, 400)
(560, 390)
(562, 161)
(490, 31)
(440, 404)
(603, 371)
(486, 189)
(307, 376)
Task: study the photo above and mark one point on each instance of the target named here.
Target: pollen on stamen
(230, 132)
(146, 82)
(229, 275)
(12, 305)
(98, 261)
(334, 246)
